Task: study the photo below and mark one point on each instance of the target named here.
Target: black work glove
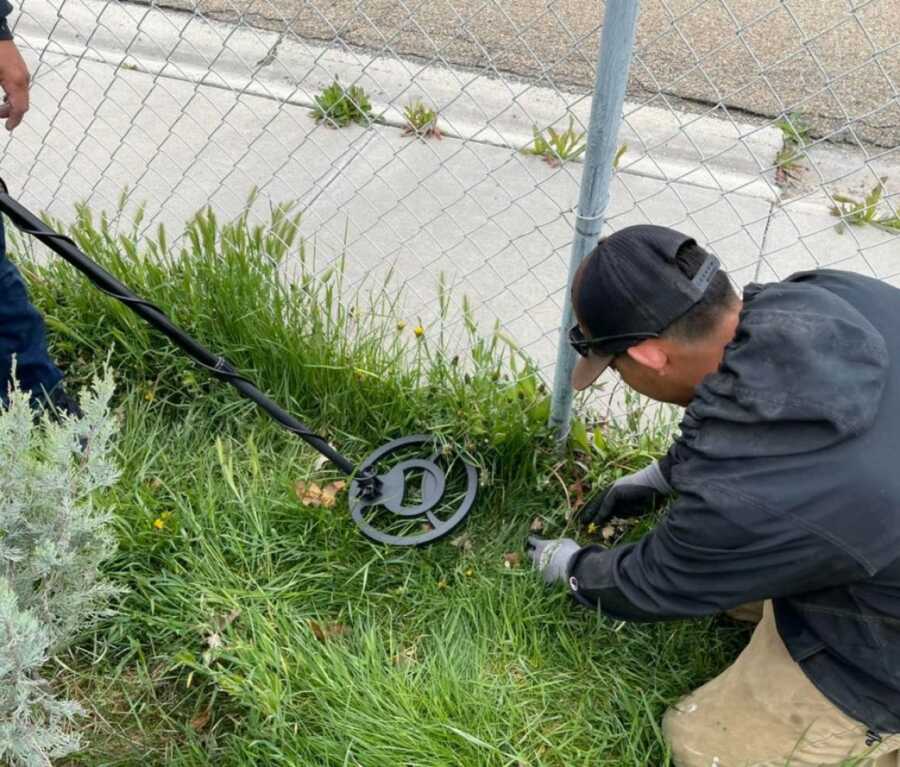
(630, 496)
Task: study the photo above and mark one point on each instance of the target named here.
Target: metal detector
(409, 492)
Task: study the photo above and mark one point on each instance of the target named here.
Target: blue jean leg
(21, 333)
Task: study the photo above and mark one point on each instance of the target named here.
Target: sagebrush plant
(421, 121)
(54, 537)
(339, 106)
(35, 726)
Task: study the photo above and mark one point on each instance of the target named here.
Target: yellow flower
(160, 522)
(419, 331)
(401, 325)
(150, 395)
(469, 572)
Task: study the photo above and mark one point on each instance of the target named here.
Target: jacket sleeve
(5, 10)
(699, 561)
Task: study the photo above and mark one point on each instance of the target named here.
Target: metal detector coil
(415, 502)
(429, 516)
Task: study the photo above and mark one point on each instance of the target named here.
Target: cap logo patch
(705, 273)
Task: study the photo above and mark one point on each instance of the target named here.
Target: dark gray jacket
(789, 488)
(5, 10)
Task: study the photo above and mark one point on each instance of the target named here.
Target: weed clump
(421, 121)
(558, 146)
(860, 212)
(789, 160)
(338, 106)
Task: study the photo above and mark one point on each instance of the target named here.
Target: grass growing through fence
(257, 630)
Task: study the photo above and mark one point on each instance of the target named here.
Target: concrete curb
(727, 156)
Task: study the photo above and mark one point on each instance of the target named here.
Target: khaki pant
(764, 712)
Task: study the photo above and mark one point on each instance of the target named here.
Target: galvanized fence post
(613, 63)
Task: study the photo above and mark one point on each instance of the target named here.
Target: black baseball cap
(629, 289)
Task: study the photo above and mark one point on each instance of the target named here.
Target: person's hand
(14, 80)
(550, 556)
(630, 496)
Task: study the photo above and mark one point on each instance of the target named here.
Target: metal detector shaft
(28, 223)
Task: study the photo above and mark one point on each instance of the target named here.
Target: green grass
(435, 656)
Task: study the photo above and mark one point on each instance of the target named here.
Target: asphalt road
(838, 67)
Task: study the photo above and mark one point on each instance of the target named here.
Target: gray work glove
(630, 496)
(551, 556)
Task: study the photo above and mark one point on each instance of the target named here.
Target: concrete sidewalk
(189, 113)
(825, 58)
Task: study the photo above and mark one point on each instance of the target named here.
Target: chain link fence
(766, 128)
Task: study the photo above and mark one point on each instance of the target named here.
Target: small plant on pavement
(620, 153)
(52, 541)
(421, 121)
(861, 212)
(339, 106)
(788, 163)
(795, 129)
(558, 146)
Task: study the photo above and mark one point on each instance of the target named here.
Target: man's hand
(14, 80)
(550, 556)
(630, 496)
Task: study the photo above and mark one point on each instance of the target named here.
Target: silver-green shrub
(54, 534)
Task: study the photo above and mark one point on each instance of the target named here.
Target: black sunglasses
(584, 345)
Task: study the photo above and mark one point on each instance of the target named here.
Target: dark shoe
(60, 404)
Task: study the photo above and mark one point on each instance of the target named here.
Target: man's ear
(650, 354)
